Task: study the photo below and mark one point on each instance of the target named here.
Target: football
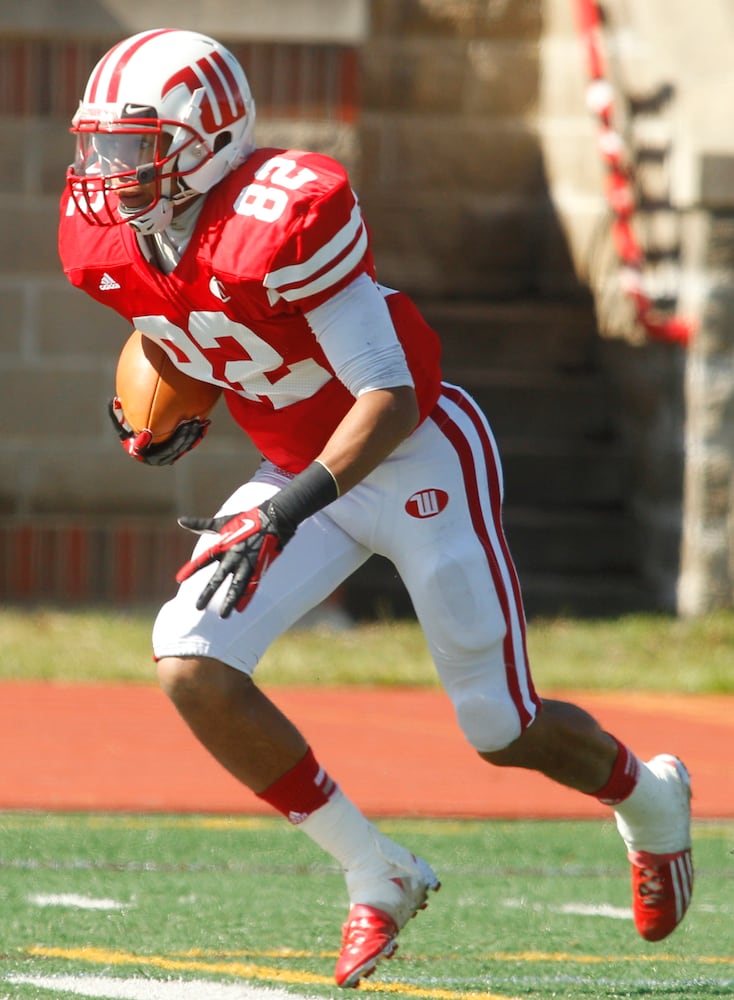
(154, 394)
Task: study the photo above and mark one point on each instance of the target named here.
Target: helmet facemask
(116, 157)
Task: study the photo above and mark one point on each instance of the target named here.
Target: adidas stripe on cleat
(662, 885)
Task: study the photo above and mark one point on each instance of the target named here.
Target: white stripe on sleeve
(331, 255)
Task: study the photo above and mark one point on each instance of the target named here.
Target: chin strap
(159, 215)
(155, 219)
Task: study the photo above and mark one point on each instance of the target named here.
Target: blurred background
(552, 180)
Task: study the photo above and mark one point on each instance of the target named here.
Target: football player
(252, 268)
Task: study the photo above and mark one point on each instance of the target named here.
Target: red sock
(300, 791)
(623, 778)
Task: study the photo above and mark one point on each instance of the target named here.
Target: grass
(635, 652)
(235, 907)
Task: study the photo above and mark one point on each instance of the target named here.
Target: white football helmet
(165, 107)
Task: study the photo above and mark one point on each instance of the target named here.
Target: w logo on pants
(427, 503)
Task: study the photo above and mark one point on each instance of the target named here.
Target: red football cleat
(661, 891)
(370, 932)
(368, 936)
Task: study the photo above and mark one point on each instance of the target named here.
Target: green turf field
(206, 908)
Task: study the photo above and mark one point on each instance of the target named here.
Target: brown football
(154, 394)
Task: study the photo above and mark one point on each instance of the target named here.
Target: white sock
(654, 817)
(368, 858)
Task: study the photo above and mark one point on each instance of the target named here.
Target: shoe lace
(354, 932)
(651, 888)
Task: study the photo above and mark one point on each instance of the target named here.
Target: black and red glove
(139, 445)
(249, 542)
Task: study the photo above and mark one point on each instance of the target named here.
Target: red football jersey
(274, 239)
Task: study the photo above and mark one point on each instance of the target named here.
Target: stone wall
(671, 69)
(465, 127)
(453, 176)
(647, 375)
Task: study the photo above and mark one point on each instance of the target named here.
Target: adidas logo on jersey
(108, 283)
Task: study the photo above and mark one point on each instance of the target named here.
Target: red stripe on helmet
(236, 96)
(100, 68)
(124, 58)
(228, 104)
(219, 107)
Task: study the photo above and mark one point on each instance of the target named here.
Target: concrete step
(572, 476)
(546, 406)
(527, 337)
(552, 595)
(534, 368)
(570, 542)
(376, 591)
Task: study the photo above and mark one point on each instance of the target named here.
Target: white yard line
(110, 988)
(76, 902)
(578, 909)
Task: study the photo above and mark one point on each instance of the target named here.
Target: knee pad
(488, 721)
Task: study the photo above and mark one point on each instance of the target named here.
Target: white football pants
(434, 509)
